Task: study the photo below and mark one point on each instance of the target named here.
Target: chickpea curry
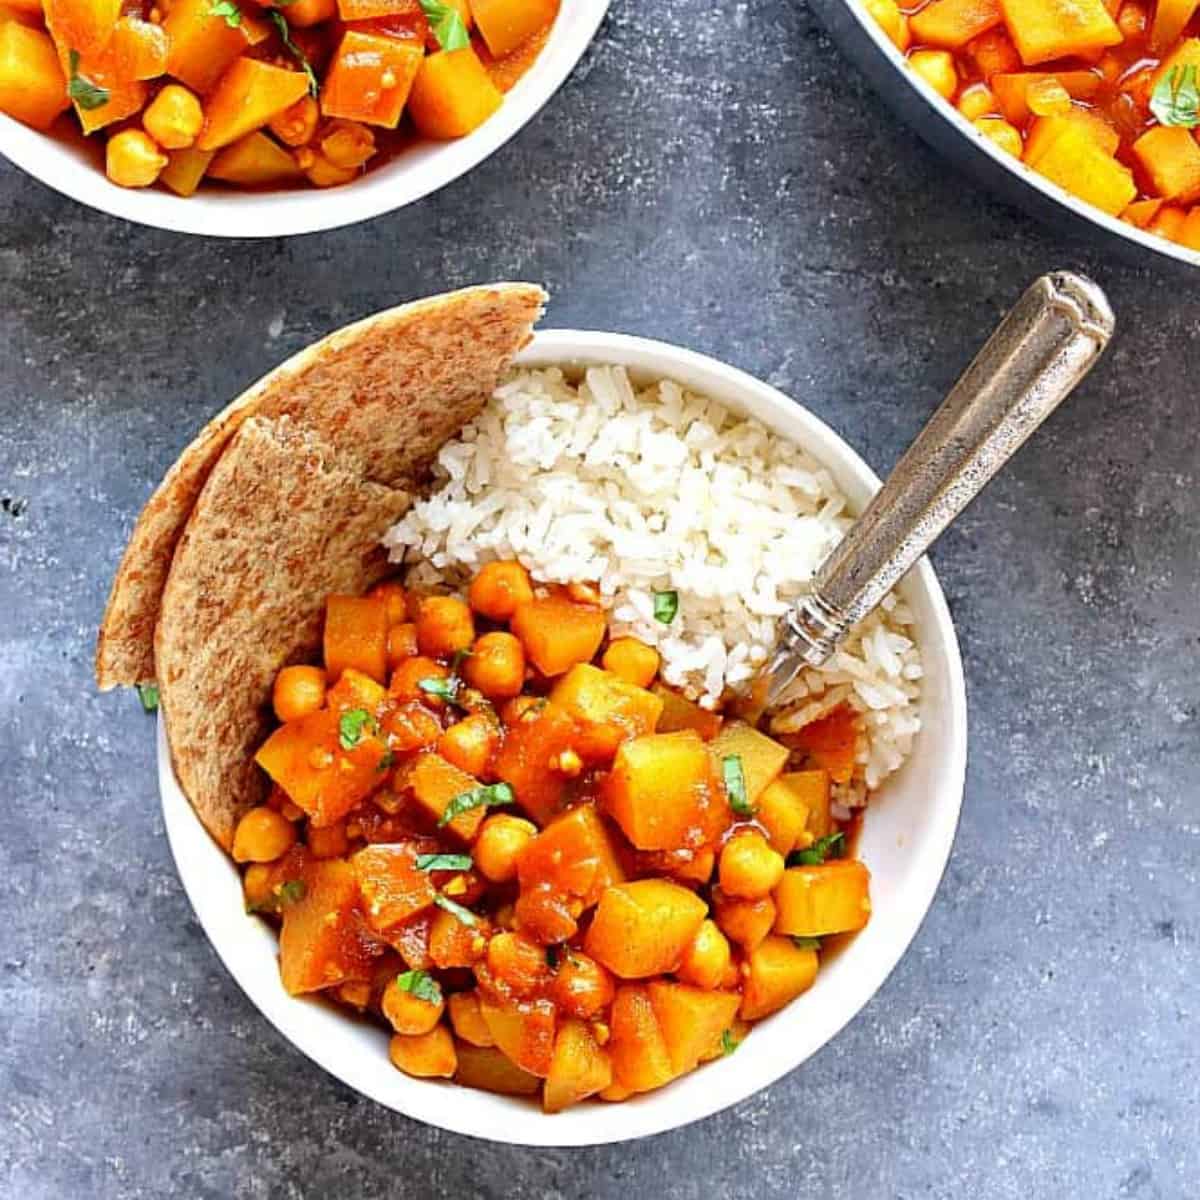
(495, 831)
(271, 94)
(1102, 97)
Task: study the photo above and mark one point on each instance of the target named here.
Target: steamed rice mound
(660, 489)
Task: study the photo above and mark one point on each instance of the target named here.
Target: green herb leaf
(729, 1043)
(285, 35)
(465, 915)
(443, 862)
(831, 846)
(666, 605)
(354, 722)
(83, 91)
(553, 956)
(291, 892)
(386, 762)
(735, 785)
(421, 984)
(443, 689)
(806, 943)
(480, 797)
(447, 24)
(1176, 98)
(148, 695)
(228, 10)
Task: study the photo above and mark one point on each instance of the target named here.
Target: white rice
(664, 490)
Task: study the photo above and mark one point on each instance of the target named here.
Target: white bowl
(906, 841)
(411, 175)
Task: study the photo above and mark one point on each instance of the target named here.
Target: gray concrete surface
(716, 176)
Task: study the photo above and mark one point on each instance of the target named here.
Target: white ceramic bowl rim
(416, 173)
(357, 1054)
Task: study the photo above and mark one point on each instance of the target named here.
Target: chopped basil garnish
(465, 915)
(1176, 98)
(228, 10)
(728, 1042)
(666, 605)
(285, 36)
(292, 891)
(443, 689)
(420, 984)
(830, 846)
(148, 695)
(447, 24)
(735, 785)
(83, 91)
(480, 797)
(443, 862)
(353, 724)
(806, 943)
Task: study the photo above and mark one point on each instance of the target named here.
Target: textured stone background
(715, 176)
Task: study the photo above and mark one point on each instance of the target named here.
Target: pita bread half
(276, 529)
(383, 394)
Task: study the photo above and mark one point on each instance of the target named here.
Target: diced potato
(524, 1032)
(1076, 163)
(746, 922)
(138, 48)
(1170, 17)
(433, 783)
(1046, 29)
(663, 794)
(814, 790)
(889, 18)
(1168, 222)
(356, 629)
(680, 713)
(201, 45)
(1189, 232)
(505, 24)
(637, 1047)
(411, 939)
(1045, 130)
(466, 1017)
(425, 1055)
(779, 971)
(690, 1018)
(643, 928)
(1170, 156)
(578, 1069)
(371, 78)
(324, 941)
(607, 709)
(254, 160)
(784, 806)
(1011, 89)
(185, 169)
(307, 760)
(574, 854)
(830, 898)
(32, 86)
(354, 689)
(529, 760)
(556, 632)
(762, 757)
(392, 888)
(737, 1032)
(1142, 212)
(248, 95)
(953, 23)
(491, 1070)
(453, 943)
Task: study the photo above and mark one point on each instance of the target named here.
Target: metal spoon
(1039, 352)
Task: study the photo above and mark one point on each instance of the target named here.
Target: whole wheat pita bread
(383, 395)
(275, 530)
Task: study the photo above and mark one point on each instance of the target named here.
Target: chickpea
(391, 593)
(444, 626)
(937, 68)
(298, 692)
(582, 987)
(496, 666)
(499, 588)
(257, 886)
(427, 1056)
(978, 100)
(348, 144)
(132, 159)
(631, 660)
(1047, 98)
(296, 125)
(262, 835)
(1006, 136)
(356, 993)
(174, 117)
(706, 960)
(518, 960)
(330, 842)
(467, 1019)
(470, 743)
(501, 839)
(746, 922)
(749, 869)
(321, 172)
(408, 1012)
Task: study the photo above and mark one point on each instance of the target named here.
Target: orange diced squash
(451, 96)
(830, 898)
(433, 783)
(832, 741)
(524, 1032)
(201, 45)
(138, 49)
(1170, 17)
(454, 943)
(326, 779)
(578, 1069)
(953, 23)
(505, 24)
(1142, 212)
(691, 1019)
(185, 169)
(574, 855)
(356, 629)
(608, 710)
(1011, 89)
(1046, 129)
(1171, 158)
(84, 26)
(354, 689)
(492, 1070)
(662, 792)
(556, 632)
(783, 809)
(32, 86)
(681, 713)
(528, 757)
(640, 1058)
(392, 888)
(1169, 221)
(371, 78)
(762, 757)
(1189, 232)
(779, 971)
(368, 10)
(303, 13)
(254, 160)
(1046, 29)
(248, 95)
(813, 790)
(643, 928)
